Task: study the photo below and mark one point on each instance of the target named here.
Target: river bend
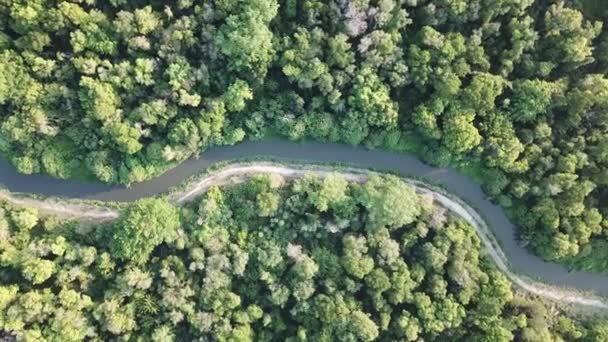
(520, 259)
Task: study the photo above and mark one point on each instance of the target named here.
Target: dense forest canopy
(514, 89)
(311, 260)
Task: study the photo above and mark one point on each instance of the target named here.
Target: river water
(462, 186)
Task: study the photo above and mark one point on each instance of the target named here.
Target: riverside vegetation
(313, 259)
(514, 91)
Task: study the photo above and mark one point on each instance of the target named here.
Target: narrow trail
(239, 173)
(64, 208)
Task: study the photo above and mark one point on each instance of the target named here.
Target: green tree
(372, 98)
(459, 132)
(245, 38)
(143, 226)
(568, 36)
(530, 99)
(389, 201)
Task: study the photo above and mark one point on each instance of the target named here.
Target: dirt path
(65, 208)
(239, 173)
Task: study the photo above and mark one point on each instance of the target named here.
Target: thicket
(120, 90)
(311, 260)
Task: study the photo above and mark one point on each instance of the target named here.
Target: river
(521, 260)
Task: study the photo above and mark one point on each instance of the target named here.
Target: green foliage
(461, 136)
(390, 202)
(38, 270)
(530, 98)
(144, 225)
(245, 38)
(237, 266)
(122, 90)
(128, 79)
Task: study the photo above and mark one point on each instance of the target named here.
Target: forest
(268, 260)
(514, 92)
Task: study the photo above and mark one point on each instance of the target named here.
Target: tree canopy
(267, 260)
(142, 227)
(512, 91)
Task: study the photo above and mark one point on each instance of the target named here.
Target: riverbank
(240, 172)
